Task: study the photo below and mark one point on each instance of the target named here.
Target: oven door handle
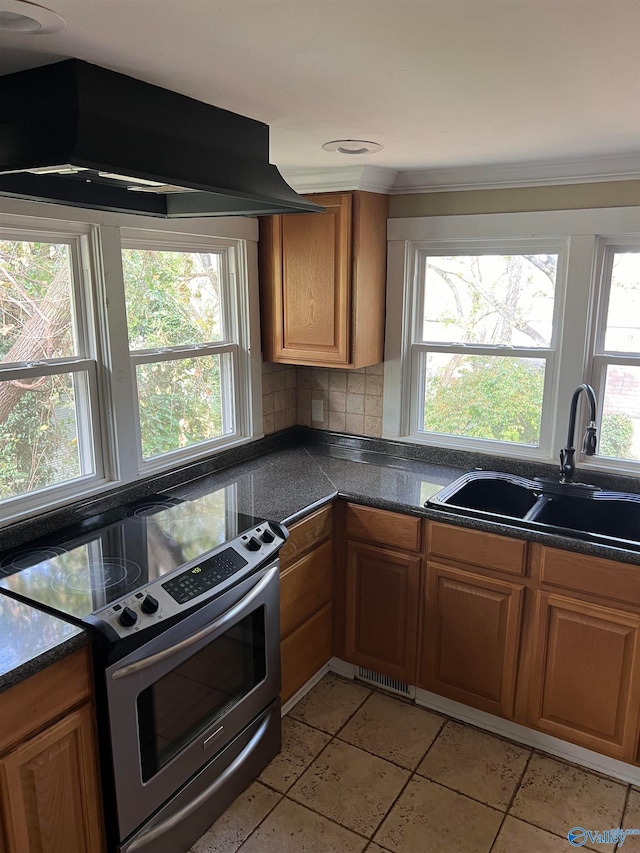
(219, 623)
(183, 813)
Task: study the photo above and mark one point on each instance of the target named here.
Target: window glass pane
(623, 318)
(620, 428)
(180, 403)
(36, 316)
(490, 299)
(38, 433)
(487, 397)
(173, 298)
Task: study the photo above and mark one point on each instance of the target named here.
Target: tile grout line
(411, 776)
(273, 807)
(512, 798)
(622, 817)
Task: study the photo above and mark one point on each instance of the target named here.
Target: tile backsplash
(279, 404)
(351, 399)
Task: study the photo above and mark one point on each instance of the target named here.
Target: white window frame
(582, 233)
(99, 287)
(88, 409)
(603, 358)
(235, 321)
(419, 348)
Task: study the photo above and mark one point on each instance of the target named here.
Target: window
(616, 363)
(184, 345)
(484, 340)
(122, 352)
(48, 425)
(494, 320)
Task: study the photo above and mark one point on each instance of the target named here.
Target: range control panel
(206, 577)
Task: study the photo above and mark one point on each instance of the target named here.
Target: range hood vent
(74, 133)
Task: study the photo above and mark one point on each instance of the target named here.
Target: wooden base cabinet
(470, 638)
(50, 790)
(381, 620)
(585, 679)
(306, 567)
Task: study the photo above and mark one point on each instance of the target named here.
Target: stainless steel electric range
(182, 599)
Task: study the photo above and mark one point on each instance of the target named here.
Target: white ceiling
(440, 83)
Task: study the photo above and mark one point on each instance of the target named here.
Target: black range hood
(78, 134)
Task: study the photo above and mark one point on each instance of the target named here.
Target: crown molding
(370, 178)
(578, 171)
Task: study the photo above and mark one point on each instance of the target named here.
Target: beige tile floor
(364, 771)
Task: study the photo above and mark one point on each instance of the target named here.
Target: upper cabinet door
(316, 266)
(322, 282)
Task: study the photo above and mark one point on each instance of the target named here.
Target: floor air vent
(392, 684)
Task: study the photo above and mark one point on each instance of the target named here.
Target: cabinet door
(585, 680)
(307, 284)
(50, 793)
(305, 651)
(381, 620)
(470, 638)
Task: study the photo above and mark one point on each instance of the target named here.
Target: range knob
(253, 544)
(267, 536)
(128, 617)
(149, 605)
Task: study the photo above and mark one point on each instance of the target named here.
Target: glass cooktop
(113, 554)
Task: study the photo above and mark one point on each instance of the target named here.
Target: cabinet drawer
(305, 587)
(305, 651)
(388, 528)
(46, 695)
(478, 548)
(594, 575)
(305, 535)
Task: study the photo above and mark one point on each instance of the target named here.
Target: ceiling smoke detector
(352, 146)
(22, 18)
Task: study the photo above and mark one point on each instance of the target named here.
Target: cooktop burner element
(107, 573)
(142, 511)
(23, 559)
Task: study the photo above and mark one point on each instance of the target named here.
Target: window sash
(237, 395)
(417, 397)
(230, 402)
(413, 385)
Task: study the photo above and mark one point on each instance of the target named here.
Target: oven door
(176, 701)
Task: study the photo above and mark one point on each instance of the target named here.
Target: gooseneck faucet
(568, 453)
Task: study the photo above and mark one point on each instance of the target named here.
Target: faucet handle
(590, 440)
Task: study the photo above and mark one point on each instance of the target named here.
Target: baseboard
(529, 737)
(505, 728)
(306, 687)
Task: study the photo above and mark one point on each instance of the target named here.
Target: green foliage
(486, 397)
(179, 403)
(616, 436)
(173, 298)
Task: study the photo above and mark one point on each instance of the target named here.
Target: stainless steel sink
(569, 509)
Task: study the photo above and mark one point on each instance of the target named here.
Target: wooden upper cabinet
(322, 282)
(585, 678)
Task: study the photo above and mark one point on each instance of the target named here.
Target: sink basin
(583, 512)
(488, 492)
(606, 513)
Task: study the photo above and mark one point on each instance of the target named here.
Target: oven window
(180, 706)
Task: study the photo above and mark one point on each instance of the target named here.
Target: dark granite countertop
(30, 640)
(285, 484)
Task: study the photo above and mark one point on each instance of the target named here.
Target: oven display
(204, 576)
